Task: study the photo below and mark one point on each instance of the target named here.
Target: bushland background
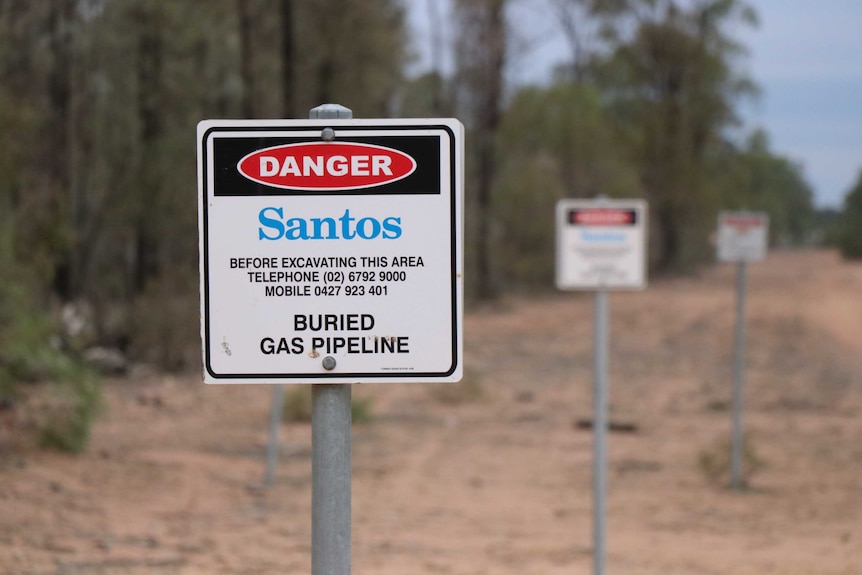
(98, 199)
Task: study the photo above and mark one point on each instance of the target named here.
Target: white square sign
(601, 244)
(331, 259)
(742, 236)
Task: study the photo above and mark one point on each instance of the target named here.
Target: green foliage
(755, 178)
(29, 348)
(98, 107)
(164, 323)
(362, 410)
(531, 189)
(427, 96)
(297, 406)
(70, 417)
(99, 102)
(554, 143)
(672, 85)
(849, 234)
(468, 390)
(31, 351)
(567, 124)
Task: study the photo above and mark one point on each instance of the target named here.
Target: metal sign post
(330, 479)
(742, 238)
(601, 245)
(600, 426)
(736, 442)
(331, 421)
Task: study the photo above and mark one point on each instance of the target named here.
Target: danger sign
(742, 236)
(331, 256)
(601, 244)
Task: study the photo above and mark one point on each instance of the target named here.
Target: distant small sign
(742, 236)
(601, 244)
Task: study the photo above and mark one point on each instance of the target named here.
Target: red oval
(326, 166)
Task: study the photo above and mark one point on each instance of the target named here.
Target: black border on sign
(274, 377)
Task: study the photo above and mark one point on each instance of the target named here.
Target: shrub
(165, 323)
(361, 410)
(468, 390)
(297, 406)
(32, 351)
(850, 226)
(714, 462)
(70, 418)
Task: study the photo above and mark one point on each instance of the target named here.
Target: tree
(150, 78)
(337, 64)
(756, 178)
(432, 93)
(481, 63)
(288, 58)
(246, 20)
(554, 143)
(850, 227)
(673, 84)
(581, 34)
(61, 22)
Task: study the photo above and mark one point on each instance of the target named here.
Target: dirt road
(493, 475)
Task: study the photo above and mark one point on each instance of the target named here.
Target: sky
(806, 56)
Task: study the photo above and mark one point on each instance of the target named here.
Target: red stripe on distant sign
(744, 221)
(602, 217)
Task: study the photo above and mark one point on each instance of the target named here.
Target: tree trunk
(60, 98)
(436, 47)
(288, 60)
(246, 57)
(493, 39)
(149, 72)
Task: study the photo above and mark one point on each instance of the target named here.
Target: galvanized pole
(325, 111)
(600, 426)
(330, 451)
(274, 424)
(736, 448)
(330, 479)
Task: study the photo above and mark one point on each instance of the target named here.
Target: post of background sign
(331, 420)
(736, 443)
(742, 237)
(274, 425)
(600, 426)
(600, 421)
(585, 228)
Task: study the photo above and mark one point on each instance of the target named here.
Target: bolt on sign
(331, 251)
(601, 244)
(742, 236)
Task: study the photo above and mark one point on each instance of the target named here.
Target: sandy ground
(493, 475)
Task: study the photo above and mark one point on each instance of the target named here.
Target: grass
(297, 406)
(714, 462)
(468, 390)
